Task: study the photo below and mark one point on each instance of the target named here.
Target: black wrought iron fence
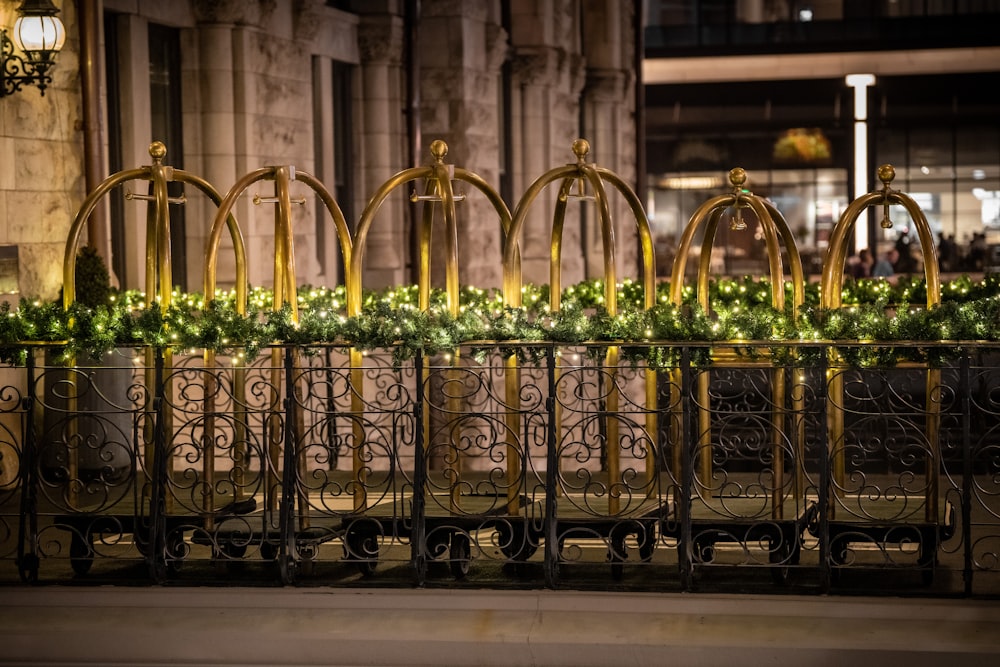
(788, 466)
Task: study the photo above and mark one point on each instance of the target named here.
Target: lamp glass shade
(40, 37)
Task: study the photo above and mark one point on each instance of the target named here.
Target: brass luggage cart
(117, 498)
(252, 417)
(461, 481)
(601, 475)
(737, 431)
(884, 426)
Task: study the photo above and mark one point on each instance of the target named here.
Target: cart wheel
(617, 555)
(704, 552)
(288, 569)
(307, 562)
(460, 555)
(176, 550)
(514, 542)
(28, 568)
(268, 550)
(647, 545)
(81, 556)
(363, 549)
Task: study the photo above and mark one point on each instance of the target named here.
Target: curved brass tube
(354, 273)
(774, 226)
(284, 248)
(833, 267)
(491, 195)
(339, 221)
(511, 267)
(282, 240)
(76, 229)
(158, 228)
(215, 236)
(713, 205)
(645, 235)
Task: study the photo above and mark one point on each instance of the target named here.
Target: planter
(89, 431)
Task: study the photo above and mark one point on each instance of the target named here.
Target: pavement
(62, 626)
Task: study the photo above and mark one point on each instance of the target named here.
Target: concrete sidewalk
(286, 626)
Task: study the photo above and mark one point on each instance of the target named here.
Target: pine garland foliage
(874, 311)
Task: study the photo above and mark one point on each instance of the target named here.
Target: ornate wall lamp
(39, 34)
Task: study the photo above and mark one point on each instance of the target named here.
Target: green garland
(874, 310)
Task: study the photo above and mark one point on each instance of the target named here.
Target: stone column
(611, 135)
(609, 120)
(533, 74)
(380, 38)
(216, 125)
(460, 73)
(547, 79)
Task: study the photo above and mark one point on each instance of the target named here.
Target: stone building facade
(349, 91)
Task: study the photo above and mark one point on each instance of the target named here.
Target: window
(333, 102)
(134, 68)
(165, 121)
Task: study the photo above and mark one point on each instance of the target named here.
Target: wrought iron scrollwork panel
(894, 499)
(612, 484)
(91, 472)
(12, 417)
(485, 431)
(749, 493)
(984, 465)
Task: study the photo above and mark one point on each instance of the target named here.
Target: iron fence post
(964, 388)
(287, 562)
(27, 557)
(823, 457)
(418, 535)
(551, 476)
(156, 556)
(688, 444)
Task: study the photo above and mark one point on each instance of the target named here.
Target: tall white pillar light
(860, 84)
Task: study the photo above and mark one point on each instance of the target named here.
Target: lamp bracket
(17, 72)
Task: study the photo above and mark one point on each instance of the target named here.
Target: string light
(874, 310)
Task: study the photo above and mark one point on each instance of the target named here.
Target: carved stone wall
(249, 96)
(41, 166)
(460, 56)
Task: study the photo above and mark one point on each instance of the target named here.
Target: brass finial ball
(581, 147)
(157, 150)
(886, 173)
(439, 149)
(738, 177)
